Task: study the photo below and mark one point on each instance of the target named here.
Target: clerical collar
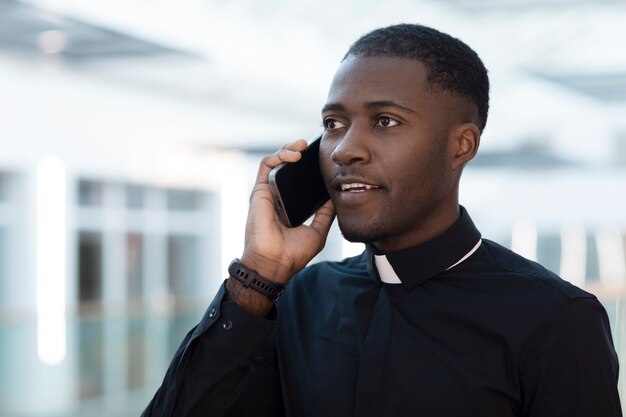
(412, 266)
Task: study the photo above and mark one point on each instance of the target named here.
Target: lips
(357, 187)
(354, 185)
(356, 195)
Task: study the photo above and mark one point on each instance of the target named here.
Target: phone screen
(298, 187)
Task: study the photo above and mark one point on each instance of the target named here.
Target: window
(91, 358)
(90, 193)
(178, 326)
(89, 266)
(592, 268)
(4, 185)
(135, 196)
(134, 263)
(184, 200)
(3, 266)
(182, 265)
(624, 243)
(136, 353)
(549, 251)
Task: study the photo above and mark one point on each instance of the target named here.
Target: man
(430, 320)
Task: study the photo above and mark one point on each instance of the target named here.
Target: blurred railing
(116, 358)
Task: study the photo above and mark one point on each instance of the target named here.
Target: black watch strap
(250, 279)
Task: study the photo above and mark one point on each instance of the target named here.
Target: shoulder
(495, 258)
(534, 296)
(566, 359)
(553, 316)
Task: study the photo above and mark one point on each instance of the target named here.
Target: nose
(352, 148)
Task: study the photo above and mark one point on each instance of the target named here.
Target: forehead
(379, 78)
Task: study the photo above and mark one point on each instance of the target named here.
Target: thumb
(323, 218)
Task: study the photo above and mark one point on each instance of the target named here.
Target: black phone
(298, 187)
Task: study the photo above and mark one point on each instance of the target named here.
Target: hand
(275, 251)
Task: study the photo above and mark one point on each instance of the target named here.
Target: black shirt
(496, 335)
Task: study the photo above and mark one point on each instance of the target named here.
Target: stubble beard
(379, 228)
(367, 233)
(391, 223)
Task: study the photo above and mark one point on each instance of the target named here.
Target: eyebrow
(388, 103)
(369, 105)
(333, 107)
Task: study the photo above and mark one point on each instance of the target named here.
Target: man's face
(385, 153)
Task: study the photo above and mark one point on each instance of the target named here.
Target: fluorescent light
(51, 259)
(52, 41)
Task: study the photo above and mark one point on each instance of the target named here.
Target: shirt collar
(413, 266)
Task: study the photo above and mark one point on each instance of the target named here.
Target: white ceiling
(273, 60)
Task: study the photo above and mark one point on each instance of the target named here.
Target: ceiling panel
(28, 30)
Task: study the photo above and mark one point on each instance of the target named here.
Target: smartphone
(298, 187)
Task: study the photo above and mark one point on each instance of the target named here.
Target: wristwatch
(250, 279)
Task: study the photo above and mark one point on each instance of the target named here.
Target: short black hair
(451, 65)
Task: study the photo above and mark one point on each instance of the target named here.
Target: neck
(432, 225)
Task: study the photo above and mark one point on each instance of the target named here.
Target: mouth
(355, 193)
(356, 187)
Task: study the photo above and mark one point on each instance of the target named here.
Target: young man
(430, 320)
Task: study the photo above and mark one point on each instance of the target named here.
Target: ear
(465, 139)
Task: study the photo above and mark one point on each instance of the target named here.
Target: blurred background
(130, 133)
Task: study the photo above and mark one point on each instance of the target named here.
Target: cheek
(419, 176)
(326, 162)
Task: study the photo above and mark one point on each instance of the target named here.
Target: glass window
(91, 358)
(592, 268)
(135, 196)
(136, 354)
(502, 239)
(90, 193)
(134, 262)
(4, 187)
(3, 266)
(184, 200)
(549, 251)
(178, 326)
(89, 266)
(624, 243)
(182, 264)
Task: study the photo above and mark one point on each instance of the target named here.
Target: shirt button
(212, 312)
(227, 325)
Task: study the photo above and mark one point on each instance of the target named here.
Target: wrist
(273, 271)
(250, 278)
(247, 298)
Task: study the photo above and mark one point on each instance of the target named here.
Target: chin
(361, 233)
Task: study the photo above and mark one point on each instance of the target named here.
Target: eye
(386, 121)
(332, 124)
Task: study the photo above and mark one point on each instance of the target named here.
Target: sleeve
(227, 356)
(571, 368)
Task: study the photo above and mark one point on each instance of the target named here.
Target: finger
(288, 153)
(323, 218)
(297, 145)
